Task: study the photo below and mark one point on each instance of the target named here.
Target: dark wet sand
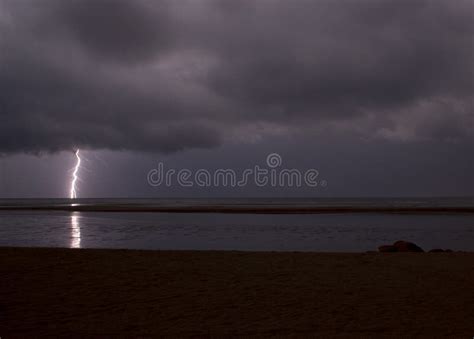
(61, 292)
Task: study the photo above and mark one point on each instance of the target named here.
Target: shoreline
(227, 251)
(106, 292)
(243, 209)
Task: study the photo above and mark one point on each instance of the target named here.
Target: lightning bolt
(73, 193)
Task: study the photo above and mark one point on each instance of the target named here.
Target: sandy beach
(98, 293)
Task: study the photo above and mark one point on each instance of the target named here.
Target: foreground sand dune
(144, 293)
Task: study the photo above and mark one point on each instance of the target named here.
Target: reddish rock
(387, 248)
(449, 251)
(405, 246)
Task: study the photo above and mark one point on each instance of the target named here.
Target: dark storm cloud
(167, 76)
(55, 110)
(334, 59)
(118, 30)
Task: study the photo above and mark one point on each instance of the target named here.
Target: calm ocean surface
(346, 232)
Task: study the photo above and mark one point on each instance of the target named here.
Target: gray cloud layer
(166, 76)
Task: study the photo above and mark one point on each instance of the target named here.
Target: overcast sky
(377, 95)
